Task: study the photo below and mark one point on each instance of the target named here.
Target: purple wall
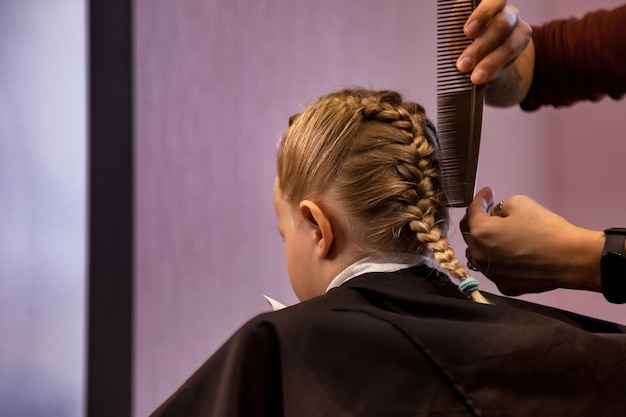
(215, 83)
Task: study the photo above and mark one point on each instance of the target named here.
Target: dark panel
(110, 209)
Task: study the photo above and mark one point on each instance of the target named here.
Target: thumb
(481, 204)
(479, 207)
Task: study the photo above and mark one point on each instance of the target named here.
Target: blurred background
(214, 84)
(43, 200)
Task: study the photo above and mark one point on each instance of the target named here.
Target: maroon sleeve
(579, 59)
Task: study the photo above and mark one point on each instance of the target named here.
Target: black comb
(459, 104)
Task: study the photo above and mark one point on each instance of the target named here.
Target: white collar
(386, 262)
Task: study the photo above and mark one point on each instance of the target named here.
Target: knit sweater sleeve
(579, 59)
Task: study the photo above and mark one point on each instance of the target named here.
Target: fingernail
(479, 76)
(465, 64)
(471, 28)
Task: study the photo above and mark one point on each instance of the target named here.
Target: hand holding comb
(459, 104)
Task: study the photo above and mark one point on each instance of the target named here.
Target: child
(358, 173)
(381, 330)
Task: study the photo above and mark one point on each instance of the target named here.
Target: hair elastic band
(468, 285)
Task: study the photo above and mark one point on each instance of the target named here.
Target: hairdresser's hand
(502, 53)
(523, 247)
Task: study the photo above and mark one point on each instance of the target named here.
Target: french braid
(376, 155)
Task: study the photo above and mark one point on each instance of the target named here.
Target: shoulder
(339, 357)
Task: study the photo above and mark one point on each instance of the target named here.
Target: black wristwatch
(613, 266)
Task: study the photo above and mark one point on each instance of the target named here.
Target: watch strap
(613, 266)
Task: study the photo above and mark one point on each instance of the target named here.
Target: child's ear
(320, 225)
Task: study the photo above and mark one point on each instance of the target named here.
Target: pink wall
(215, 83)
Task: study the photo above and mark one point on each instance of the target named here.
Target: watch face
(614, 277)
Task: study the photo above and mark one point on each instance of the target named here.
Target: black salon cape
(408, 344)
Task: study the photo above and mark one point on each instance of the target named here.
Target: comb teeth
(459, 105)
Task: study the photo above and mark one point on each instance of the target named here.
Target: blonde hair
(376, 156)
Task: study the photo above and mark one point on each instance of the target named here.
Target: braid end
(479, 298)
